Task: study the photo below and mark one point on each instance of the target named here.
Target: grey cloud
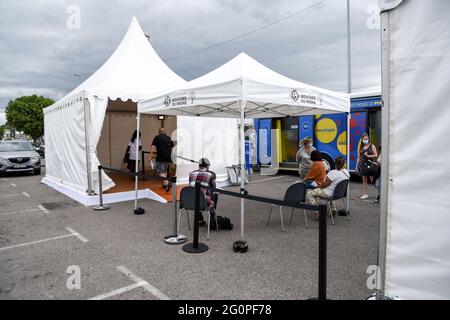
(40, 54)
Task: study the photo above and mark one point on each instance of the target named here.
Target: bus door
(289, 139)
(264, 138)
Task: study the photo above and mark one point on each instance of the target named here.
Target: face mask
(365, 141)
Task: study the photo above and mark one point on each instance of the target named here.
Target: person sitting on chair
(317, 173)
(206, 178)
(326, 189)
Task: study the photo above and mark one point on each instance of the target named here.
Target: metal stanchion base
(240, 246)
(101, 208)
(189, 248)
(139, 211)
(175, 239)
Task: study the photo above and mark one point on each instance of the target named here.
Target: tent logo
(192, 96)
(294, 95)
(167, 101)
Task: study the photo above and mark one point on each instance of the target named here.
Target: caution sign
(341, 143)
(326, 130)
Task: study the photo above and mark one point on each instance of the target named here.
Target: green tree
(26, 114)
(2, 131)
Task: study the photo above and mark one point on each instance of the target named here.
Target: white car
(19, 156)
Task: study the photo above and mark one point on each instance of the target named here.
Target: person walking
(303, 156)
(162, 144)
(367, 153)
(131, 150)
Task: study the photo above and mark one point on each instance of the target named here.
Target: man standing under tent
(163, 145)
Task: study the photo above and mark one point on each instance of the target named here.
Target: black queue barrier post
(322, 287)
(175, 238)
(101, 206)
(195, 246)
(323, 252)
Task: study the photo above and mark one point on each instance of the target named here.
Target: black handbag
(369, 168)
(126, 157)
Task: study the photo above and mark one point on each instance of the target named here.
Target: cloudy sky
(43, 52)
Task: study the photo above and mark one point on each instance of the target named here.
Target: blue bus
(329, 132)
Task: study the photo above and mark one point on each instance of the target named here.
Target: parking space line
(273, 178)
(35, 242)
(73, 233)
(43, 209)
(13, 185)
(118, 291)
(10, 195)
(76, 234)
(147, 286)
(18, 212)
(15, 195)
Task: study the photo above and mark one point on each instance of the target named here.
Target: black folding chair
(295, 194)
(340, 192)
(187, 202)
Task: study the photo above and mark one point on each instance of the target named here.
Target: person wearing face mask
(367, 152)
(303, 157)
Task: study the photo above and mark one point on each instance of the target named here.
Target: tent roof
(266, 92)
(133, 71)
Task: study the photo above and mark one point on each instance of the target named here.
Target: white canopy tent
(74, 124)
(415, 223)
(244, 88)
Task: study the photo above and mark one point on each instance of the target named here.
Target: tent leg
(136, 169)
(385, 134)
(242, 143)
(347, 208)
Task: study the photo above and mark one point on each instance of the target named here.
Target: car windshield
(15, 146)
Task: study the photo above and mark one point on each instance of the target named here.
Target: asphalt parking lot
(45, 235)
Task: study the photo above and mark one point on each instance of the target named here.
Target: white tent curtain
(97, 109)
(416, 173)
(65, 141)
(213, 138)
(65, 152)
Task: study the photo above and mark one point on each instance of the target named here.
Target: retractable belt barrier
(196, 247)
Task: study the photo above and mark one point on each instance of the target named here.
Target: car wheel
(37, 171)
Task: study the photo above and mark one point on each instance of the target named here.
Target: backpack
(223, 222)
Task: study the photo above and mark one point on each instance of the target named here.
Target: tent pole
(242, 143)
(87, 130)
(136, 169)
(349, 115)
(349, 56)
(385, 121)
